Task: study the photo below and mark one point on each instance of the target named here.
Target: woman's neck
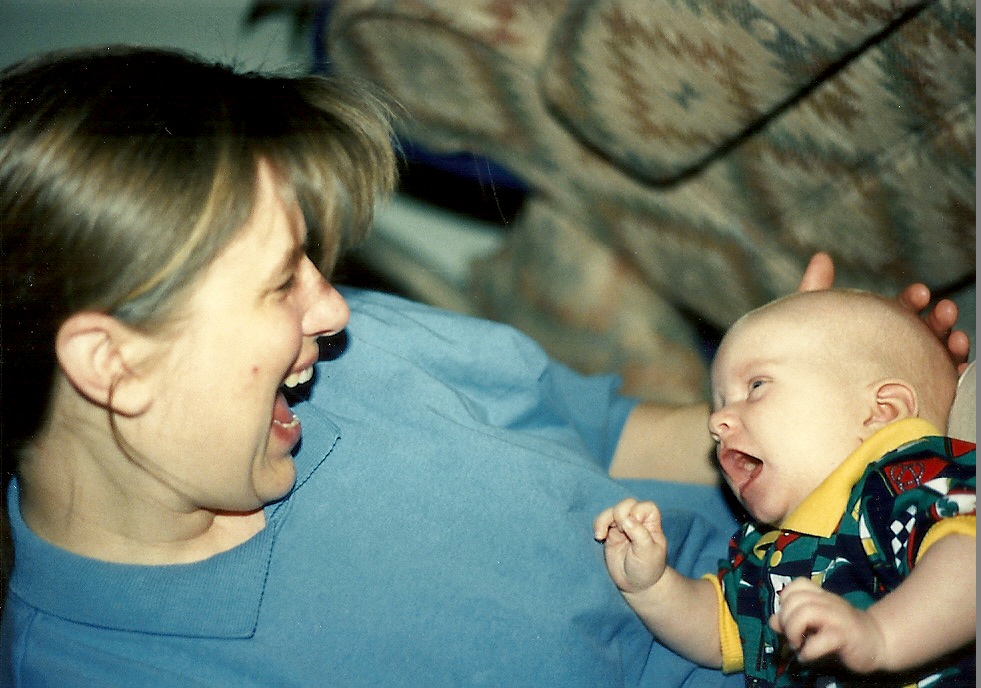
(79, 492)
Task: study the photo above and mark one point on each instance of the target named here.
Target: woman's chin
(276, 479)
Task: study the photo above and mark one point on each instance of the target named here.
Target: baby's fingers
(602, 524)
(799, 611)
(610, 518)
(815, 633)
(647, 513)
(641, 540)
(817, 623)
(627, 517)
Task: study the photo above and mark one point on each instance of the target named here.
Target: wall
(210, 27)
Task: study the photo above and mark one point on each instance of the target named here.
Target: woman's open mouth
(285, 424)
(296, 379)
(285, 427)
(295, 387)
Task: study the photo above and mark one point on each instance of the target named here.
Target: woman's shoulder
(422, 332)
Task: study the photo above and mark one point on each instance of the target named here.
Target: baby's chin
(765, 514)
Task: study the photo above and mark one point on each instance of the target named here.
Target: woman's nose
(325, 310)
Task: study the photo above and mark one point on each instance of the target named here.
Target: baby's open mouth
(740, 468)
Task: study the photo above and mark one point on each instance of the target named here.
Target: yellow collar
(821, 511)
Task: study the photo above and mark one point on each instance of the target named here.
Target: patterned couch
(685, 157)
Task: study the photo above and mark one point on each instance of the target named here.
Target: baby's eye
(755, 385)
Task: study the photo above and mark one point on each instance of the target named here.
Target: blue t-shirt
(439, 534)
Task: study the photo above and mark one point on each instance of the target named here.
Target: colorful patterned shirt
(858, 535)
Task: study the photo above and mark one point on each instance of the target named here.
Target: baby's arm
(932, 613)
(683, 613)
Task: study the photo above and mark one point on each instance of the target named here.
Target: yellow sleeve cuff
(956, 525)
(732, 649)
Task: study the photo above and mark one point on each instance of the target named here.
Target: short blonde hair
(125, 171)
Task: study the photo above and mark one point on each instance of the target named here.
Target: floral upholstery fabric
(688, 156)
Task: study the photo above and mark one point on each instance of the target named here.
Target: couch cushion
(659, 92)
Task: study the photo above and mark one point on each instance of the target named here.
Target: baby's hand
(818, 623)
(636, 548)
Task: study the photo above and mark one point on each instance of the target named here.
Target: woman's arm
(667, 443)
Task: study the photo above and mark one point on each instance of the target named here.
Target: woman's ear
(100, 355)
(892, 400)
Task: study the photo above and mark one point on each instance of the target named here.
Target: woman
(161, 221)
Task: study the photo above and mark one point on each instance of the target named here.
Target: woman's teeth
(294, 422)
(296, 379)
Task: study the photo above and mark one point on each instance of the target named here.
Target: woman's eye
(288, 284)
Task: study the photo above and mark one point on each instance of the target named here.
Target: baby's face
(784, 416)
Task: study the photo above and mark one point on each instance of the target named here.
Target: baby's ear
(892, 400)
(98, 353)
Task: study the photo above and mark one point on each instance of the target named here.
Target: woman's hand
(940, 320)
(820, 274)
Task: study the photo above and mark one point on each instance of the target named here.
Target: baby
(859, 556)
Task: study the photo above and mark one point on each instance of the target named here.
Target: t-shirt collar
(155, 599)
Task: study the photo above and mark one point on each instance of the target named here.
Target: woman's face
(219, 434)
